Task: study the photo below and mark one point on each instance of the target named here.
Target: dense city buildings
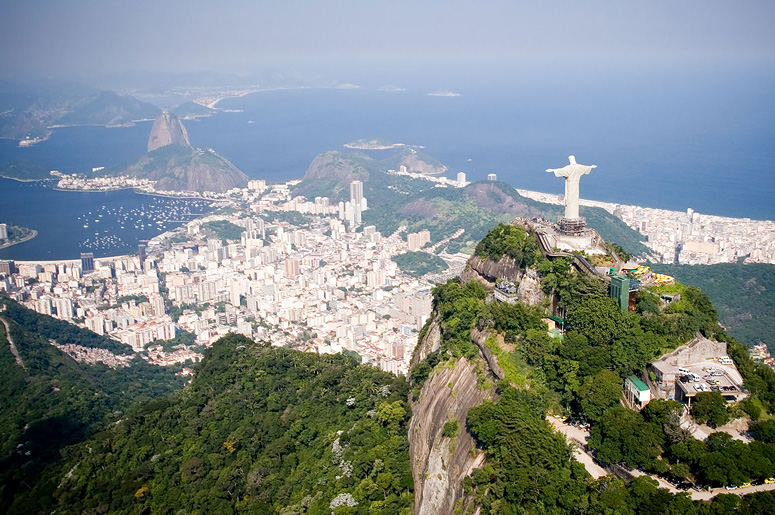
(321, 286)
(688, 237)
(325, 284)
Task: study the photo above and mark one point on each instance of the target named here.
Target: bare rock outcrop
(167, 130)
(439, 464)
(530, 291)
(505, 268)
(430, 342)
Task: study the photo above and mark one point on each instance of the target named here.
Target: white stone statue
(572, 174)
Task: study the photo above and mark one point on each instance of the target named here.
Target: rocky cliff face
(488, 271)
(439, 464)
(167, 130)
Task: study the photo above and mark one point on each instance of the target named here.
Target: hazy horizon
(349, 40)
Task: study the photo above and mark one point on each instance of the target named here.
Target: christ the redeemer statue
(572, 174)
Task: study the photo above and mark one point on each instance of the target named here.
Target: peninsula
(13, 234)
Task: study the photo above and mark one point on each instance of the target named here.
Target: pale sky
(91, 36)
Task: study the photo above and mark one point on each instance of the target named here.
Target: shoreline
(33, 233)
(552, 198)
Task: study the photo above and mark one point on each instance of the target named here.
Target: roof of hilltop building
(640, 385)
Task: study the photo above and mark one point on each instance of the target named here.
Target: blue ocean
(698, 139)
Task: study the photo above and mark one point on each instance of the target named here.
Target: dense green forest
(55, 402)
(259, 430)
(420, 263)
(744, 296)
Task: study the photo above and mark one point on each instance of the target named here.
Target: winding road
(579, 437)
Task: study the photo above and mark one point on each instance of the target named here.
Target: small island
(12, 234)
(376, 144)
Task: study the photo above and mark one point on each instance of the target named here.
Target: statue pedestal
(573, 226)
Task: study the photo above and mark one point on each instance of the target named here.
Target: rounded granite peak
(167, 130)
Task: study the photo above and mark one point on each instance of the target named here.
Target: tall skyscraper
(461, 179)
(356, 199)
(3, 231)
(141, 246)
(87, 262)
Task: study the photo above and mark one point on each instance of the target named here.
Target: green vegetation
(25, 170)
(420, 263)
(260, 430)
(582, 374)
(138, 299)
(222, 229)
(179, 168)
(16, 233)
(710, 408)
(744, 296)
(28, 110)
(528, 464)
(55, 403)
(513, 242)
(451, 429)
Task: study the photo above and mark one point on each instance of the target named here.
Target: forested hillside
(54, 402)
(528, 466)
(744, 296)
(260, 430)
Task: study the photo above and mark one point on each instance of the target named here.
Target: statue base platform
(572, 226)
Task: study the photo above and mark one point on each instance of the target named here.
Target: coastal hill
(487, 377)
(417, 162)
(25, 170)
(188, 110)
(175, 166)
(167, 130)
(180, 168)
(261, 429)
(28, 112)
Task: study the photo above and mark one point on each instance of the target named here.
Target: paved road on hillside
(579, 436)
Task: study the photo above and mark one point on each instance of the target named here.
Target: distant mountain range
(29, 112)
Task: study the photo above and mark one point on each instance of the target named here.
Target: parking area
(708, 376)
